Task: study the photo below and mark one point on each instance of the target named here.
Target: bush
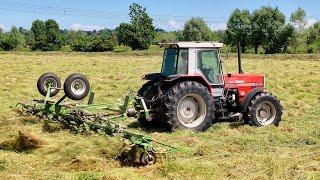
(12, 40)
(165, 37)
(314, 47)
(94, 44)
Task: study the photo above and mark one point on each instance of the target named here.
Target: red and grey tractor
(192, 92)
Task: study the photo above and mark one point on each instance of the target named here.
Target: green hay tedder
(84, 117)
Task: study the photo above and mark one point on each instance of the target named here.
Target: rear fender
(152, 76)
(248, 97)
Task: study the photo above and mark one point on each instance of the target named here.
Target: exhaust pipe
(239, 57)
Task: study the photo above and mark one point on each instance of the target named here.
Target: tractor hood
(244, 81)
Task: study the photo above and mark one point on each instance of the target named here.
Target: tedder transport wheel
(76, 86)
(189, 105)
(47, 80)
(264, 109)
(149, 92)
(147, 158)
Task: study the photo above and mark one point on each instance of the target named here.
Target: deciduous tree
(238, 28)
(53, 36)
(298, 18)
(39, 31)
(196, 29)
(140, 32)
(268, 25)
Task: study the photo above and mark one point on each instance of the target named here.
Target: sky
(167, 14)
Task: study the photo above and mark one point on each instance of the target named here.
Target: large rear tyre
(189, 105)
(149, 92)
(264, 109)
(76, 86)
(47, 80)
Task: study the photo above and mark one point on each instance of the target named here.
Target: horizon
(98, 15)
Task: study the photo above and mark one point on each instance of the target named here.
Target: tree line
(265, 30)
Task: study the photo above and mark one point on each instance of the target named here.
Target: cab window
(183, 61)
(169, 64)
(208, 63)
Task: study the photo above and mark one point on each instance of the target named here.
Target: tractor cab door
(209, 65)
(175, 61)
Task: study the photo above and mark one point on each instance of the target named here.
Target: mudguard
(249, 96)
(152, 76)
(181, 77)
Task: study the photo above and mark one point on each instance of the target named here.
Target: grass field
(226, 150)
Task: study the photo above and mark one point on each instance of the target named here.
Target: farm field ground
(225, 151)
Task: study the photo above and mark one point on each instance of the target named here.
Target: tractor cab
(200, 60)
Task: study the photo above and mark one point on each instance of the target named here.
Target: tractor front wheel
(189, 105)
(264, 109)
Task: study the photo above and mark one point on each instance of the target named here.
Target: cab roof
(192, 44)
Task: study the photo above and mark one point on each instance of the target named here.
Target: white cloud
(2, 26)
(87, 27)
(171, 25)
(219, 26)
(310, 22)
(114, 26)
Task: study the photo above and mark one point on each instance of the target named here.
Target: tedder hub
(192, 92)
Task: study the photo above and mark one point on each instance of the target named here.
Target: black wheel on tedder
(147, 158)
(149, 93)
(47, 80)
(76, 86)
(264, 109)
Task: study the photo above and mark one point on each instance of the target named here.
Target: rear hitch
(131, 112)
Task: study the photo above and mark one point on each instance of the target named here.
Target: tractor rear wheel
(149, 92)
(189, 105)
(264, 109)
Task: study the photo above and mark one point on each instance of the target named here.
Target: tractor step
(234, 117)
